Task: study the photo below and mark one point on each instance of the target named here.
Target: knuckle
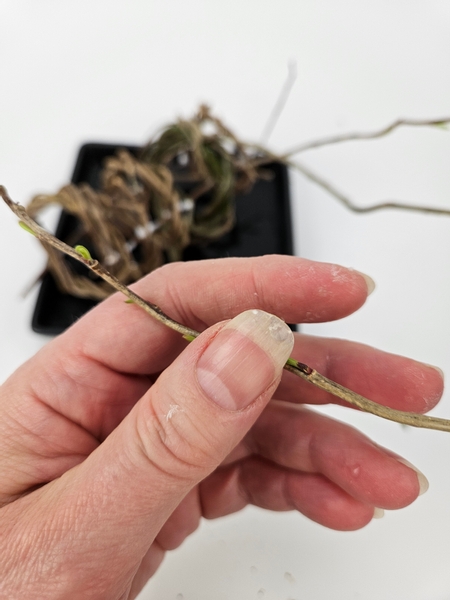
(175, 443)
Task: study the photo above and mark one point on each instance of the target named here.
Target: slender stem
(333, 191)
(269, 157)
(371, 135)
(280, 103)
(399, 416)
(292, 365)
(95, 266)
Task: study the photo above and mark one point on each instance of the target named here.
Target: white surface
(79, 71)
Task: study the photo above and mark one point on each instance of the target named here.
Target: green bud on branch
(83, 251)
(26, 227)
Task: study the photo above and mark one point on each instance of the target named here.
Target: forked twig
(287, 158)
(300, 369)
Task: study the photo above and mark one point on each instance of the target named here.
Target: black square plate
(263, 226)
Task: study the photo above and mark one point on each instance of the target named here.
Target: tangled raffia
(140, 217)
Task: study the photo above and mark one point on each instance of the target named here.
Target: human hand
(113, 448)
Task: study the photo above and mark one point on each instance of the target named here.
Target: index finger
(199, 294)
(98, 369)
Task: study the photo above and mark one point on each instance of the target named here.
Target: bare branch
(345, 200)
(93, 265)
(364, 404)
(371, 135)
(293, 366)
(280, 103)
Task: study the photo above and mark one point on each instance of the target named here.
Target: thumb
(119, 498)
(198, 410)
(203, 405)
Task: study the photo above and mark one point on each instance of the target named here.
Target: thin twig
(281, 102)
(333, 191)
(95, 266)
(337, 194)
(370, 135)
(292, 365)
(399, 416)
(267, 157)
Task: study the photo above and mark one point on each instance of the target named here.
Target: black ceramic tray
(263, 226)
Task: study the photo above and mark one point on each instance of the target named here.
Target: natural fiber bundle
(139, 218)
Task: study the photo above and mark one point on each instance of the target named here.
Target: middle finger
(299, 439)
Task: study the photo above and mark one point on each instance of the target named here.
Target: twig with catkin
(81, 254)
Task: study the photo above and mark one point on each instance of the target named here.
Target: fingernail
(423, 481)
(378, 513)
(244, 358)
(369, 282)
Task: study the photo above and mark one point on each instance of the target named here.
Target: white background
(78, 71)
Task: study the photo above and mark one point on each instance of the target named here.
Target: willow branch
(47, 238)
(345, 200)
(268, 157)
(292, 365)
(364, 404)
(280, 103)
(371, 135)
